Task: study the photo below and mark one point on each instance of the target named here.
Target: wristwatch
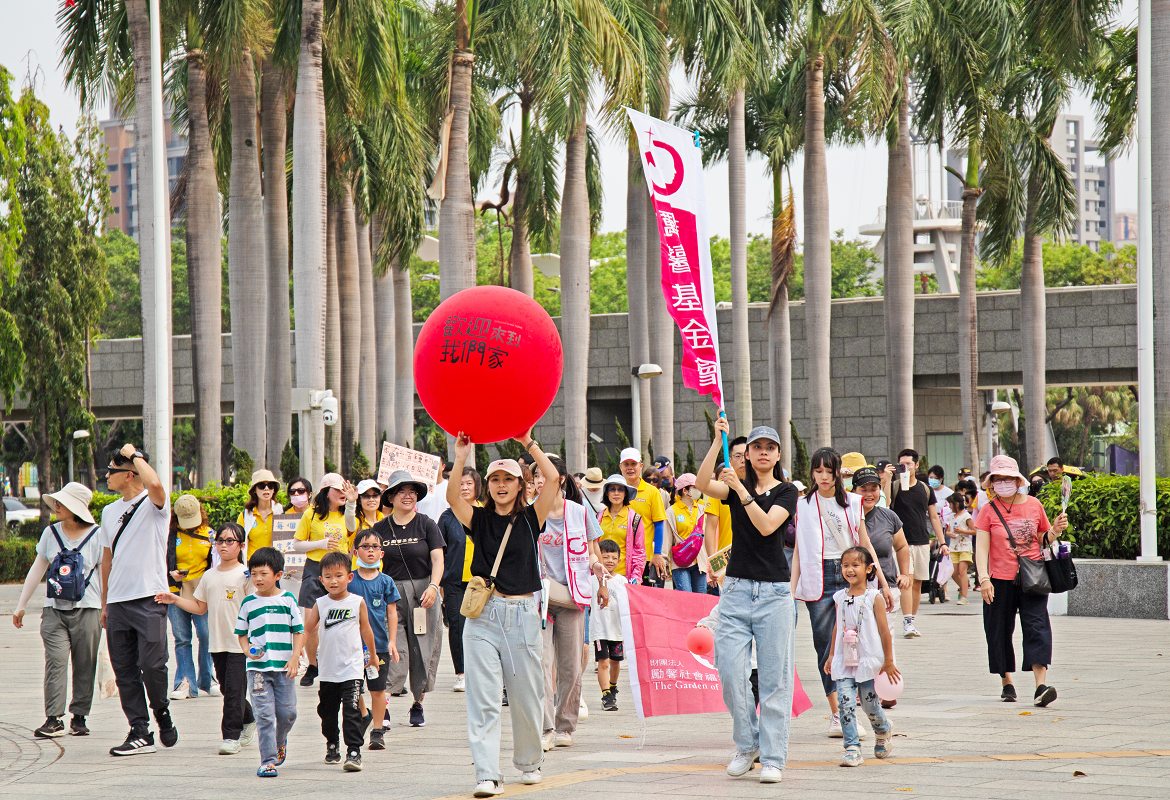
(138, 454)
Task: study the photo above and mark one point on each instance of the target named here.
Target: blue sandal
(266, 771)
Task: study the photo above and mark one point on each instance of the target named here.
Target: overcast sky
(28, 47)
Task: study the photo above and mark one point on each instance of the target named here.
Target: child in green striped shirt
(271, 634)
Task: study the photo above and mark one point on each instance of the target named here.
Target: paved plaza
(1107, 736)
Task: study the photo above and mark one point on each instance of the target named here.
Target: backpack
(65, 581)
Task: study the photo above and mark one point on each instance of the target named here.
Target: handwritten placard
(717, 562)
(423, 467)
(283, 528)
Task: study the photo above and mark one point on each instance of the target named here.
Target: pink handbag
(685, 552)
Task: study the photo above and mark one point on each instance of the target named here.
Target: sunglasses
(295, 492)
(372, 495)
(228, 540)
(115, 471)
(270, 486)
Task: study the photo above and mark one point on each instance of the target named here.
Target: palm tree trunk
(204, 276)
(350, 323)
(968, 313)
(1160, 168)
(310, 259)
(899, 282)
(737, 204)
(386, 421)
(780, 320)
(457, 210)
(520, 275)
(817, 267)
(247, 264)
(403, 356)
(575, 297)
(278, 394)
(1034, 333)
(138, 22)
(367, 399)
(333, 436)
(637, 211)
(660, 325)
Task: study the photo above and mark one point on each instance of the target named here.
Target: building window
(1071, 127)
(1072, 165)
(111, 167)
(117, 210)
(1072, 145)
(113, 190)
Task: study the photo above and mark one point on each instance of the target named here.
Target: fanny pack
(479, 590)
(685, 552)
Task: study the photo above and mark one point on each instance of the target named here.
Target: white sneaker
(962, 601)
(771, 774)
(582, 710)
(229, 747)
(182, 691)
(214, 690)
(546, 741)
(531, 778)
(741, 763)
(488, 789)
(460, 684)
(835, 731)
(248, 734)
(909, 631)
(562, 739)
(852, 757)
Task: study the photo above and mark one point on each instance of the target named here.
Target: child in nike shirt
(345, 626)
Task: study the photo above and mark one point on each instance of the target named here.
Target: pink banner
(665, 677)
(673, 166)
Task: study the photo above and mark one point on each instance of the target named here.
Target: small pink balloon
(700, 641)
(886, 689)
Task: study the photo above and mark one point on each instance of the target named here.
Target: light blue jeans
(763, 613)
(181, 624)
(847, 692)
(689, 579)
(502, 650)
(274, 705)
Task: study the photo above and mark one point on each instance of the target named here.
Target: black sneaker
(1008, 695)
(332, 753)
(608, 702)
(353, 761)
(52, 728)
(505, 700)
(168, 734)
(400, 693)
(136, 742)
(377, 739)
(77, 726)
(309, 676)
(1044, 695)
(416, 716)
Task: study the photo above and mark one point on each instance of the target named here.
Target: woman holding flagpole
(755, 606)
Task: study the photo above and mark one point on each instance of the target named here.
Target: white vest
(810, 542)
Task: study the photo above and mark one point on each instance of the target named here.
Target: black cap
(662, 462)
(864, 476)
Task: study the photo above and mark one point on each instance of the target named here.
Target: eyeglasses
(295, 492)
(369, 547)
(272, 487)
(229, 540)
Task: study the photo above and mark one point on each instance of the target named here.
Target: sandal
(266, 771)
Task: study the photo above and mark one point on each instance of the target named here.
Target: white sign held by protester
(423, 467)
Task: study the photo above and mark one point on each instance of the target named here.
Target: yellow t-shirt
(312, 528)
(614, 529)
(192, 551)
(685, 519)
(261, 533)
(719, 509)
(648, 505)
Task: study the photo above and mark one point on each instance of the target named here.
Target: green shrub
(1103, 515)
(223, 503)
(290, 463)
(16, 556)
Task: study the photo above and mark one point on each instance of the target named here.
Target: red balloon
(488, 362)
(700, 641)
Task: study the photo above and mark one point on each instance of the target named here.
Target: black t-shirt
(753, 555)
(911, 507)
(518, 573)
(406, 549)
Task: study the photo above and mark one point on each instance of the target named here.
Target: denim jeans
(181, 624)
(689, 579)
(757, 612)
(274, 703)
(847, 693)
(822, 615)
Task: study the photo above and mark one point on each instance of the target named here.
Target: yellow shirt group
(685, 519)
(312, 528)
(614, 528)
(648, 504)
(261, 533)
(193, 551)
(720, 511)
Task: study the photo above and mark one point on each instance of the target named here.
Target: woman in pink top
(1010, 513)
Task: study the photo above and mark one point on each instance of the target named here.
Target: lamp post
(77, 437)
(644, 372)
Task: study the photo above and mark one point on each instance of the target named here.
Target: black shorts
(378, 684)
(311, 587)
(609, 650)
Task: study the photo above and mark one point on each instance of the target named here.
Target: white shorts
(920, 562)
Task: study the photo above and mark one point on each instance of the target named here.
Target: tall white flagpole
(160, 436)
(1147, 448)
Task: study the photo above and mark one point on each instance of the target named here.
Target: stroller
(934, 587)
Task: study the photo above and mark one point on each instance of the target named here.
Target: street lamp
(638, 374)
(995, 409)
(77, 437)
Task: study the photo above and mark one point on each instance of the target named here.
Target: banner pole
(726, 450)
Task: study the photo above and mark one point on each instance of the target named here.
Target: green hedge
(16, 556)
(1103, 515)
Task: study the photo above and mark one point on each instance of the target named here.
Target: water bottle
(256, 652)
(852, 654)
(371, 670)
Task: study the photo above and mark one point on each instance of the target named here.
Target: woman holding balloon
(502, 645)
(756, 606)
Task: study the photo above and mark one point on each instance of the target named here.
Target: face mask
(299, 500)
(364, 565)
(1005, 488)
(934, 482)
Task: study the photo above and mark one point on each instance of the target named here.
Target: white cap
(630, 454)
(368, 484)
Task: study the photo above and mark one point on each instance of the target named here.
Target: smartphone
(420, 621)
(901, 468)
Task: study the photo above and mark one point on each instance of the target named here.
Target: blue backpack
(67, 579)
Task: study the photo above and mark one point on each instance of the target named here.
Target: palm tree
(817, 268)
(637, 213)
(899, 276)
(386, 420)
(349, 329)
(368, 356)
(457, 208)
(333, 437)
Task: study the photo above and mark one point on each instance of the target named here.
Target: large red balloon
(488, 362)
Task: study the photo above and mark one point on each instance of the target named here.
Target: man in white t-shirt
(435, 503)
(134, 550)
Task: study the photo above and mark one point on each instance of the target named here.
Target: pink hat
(684, 481)
(331, 480)
(1006, 467)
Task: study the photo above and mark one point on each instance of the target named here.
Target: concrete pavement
(1107, 736)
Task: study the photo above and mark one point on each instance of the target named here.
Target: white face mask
(1005, 488)
(364, 565)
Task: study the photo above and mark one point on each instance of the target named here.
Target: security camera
(329, 410)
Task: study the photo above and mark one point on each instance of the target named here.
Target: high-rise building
(1125, 227)
(1092, 174)
(122, 167)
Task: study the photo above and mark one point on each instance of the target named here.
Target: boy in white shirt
(345, 627)
(605, 626)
